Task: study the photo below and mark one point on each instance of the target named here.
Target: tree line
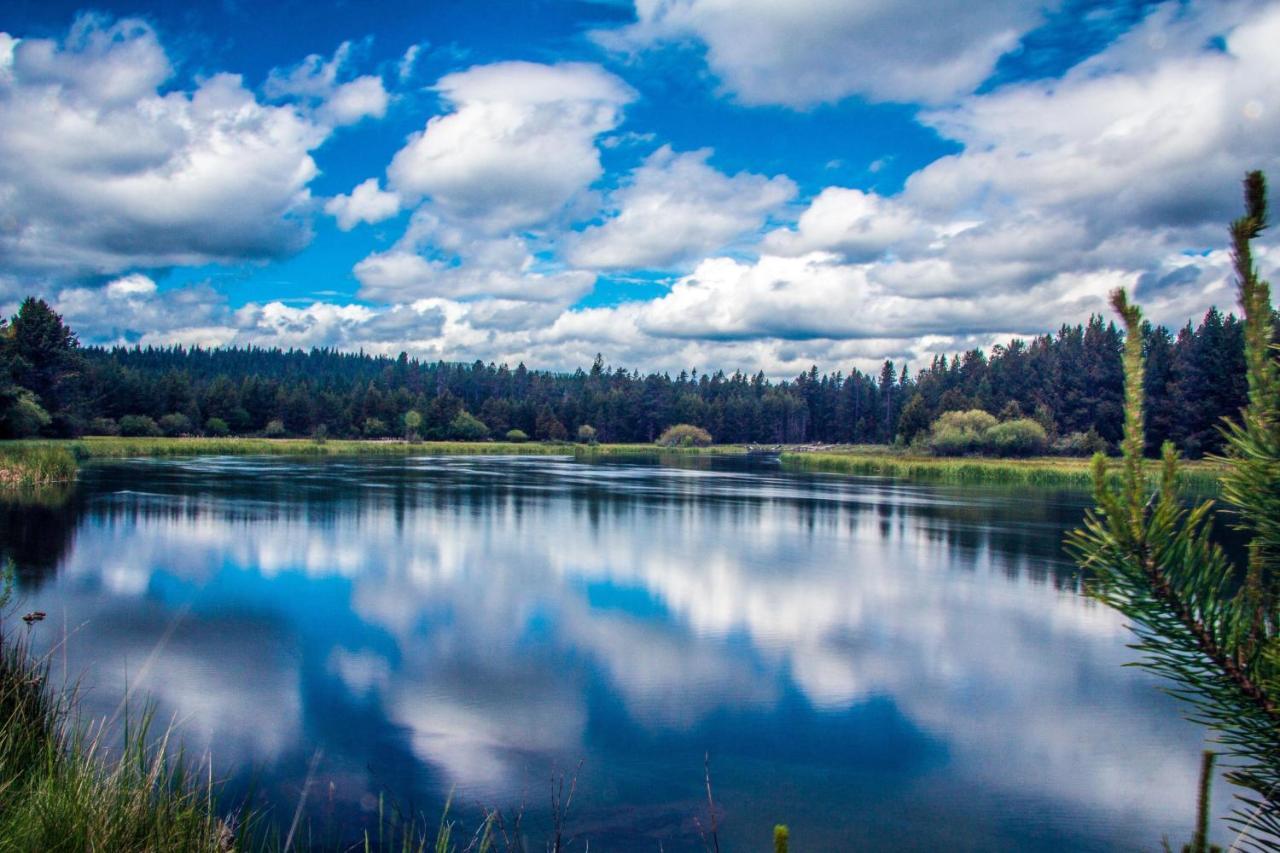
(1071, 382)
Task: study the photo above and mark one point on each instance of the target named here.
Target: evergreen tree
(1203, 620)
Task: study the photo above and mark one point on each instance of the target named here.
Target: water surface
(879, 665)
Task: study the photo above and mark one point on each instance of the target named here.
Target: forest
(1071, 382)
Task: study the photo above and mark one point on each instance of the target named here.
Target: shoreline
(39, 462)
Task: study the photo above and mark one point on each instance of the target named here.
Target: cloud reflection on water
(491, 618)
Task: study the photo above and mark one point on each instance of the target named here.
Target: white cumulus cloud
(517, 146)
(674, 207)
(366, 203)
(101, 171)
(807, 52)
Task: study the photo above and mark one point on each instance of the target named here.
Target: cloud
(366, 203)
(314, 81)
(858, 225)
(675, 207)
(799, 54)
(1134, 137)
(517, 146)
(101, 172)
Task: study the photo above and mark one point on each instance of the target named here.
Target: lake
(878, 664)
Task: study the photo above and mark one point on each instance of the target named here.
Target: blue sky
(675, 183)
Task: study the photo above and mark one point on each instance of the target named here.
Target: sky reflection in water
(877, 664)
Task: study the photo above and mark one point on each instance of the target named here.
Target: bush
(976, 431)
(274, 428)
(1081, 444)
(175, 424)
(374, 428)
(586, 434)
(960, 433)
(684, 435)
(1017, 437)
(412, 423)
(217, 427)
(23, 416)
(103, 426)
(467, 427)
(139, 426)
(320, 434)
(517, 435)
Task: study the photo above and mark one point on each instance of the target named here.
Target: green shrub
(274, 428)
(684, 435)
(1081, 444)
(467, 427)
(1016, 437)
(517, 435)
(175, 424)
(412, 425)
(961, 433)
(977, 432)
(586, 434)
(23, 416)
(139, 426)
(374, 428)
(217, 427)
(103, 426)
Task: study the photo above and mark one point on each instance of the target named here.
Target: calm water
(880, 665)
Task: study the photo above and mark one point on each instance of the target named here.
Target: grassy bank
(1055, 471)
(113, 447)
(35, 464)
(61, 789)
(64, 786)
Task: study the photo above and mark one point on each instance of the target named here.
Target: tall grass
(1061, 472)
(63, 788)
(23, 464)
(68, 786)
(113, 447)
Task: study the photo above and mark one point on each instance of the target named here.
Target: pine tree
(1208, 624)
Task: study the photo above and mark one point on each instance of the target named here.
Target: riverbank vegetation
(860, 460)
(1058, 472)
(36, 464)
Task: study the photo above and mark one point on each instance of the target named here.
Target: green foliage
(914, 420)
(684, 435)
(517, 435)
(274, 428)
(103, 426)
(548, 427)
(139, 426)
(975, 432)
(21, 415)
(781, 839)
(961, 433)
(1081, 444)
(175, 424)
(1017, 437)
(587, 434)
(412, 423)
(467, 427)
(1206, 622)
(215, 427)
